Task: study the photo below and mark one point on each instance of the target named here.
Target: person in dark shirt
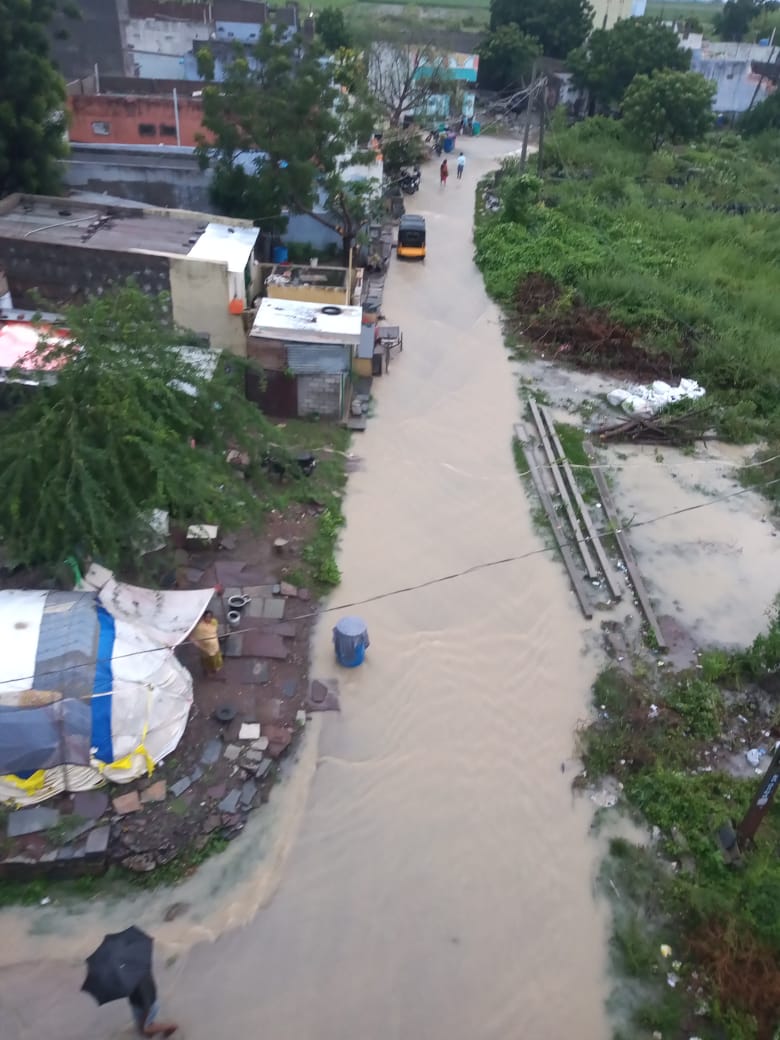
(146, 1007)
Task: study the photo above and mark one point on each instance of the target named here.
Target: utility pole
(759, 807)
(542, 121)
(528, 111)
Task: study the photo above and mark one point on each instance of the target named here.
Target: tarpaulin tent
(90, 688)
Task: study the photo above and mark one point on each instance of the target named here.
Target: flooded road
(432, 877)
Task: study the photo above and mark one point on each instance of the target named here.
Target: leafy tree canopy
(332, 29)
(506, 57)
(402, 76)
(608, 62)
(558, 25)
(765, 116)
(132, 423)
(668, 107)
(733, 21)
(402, 149)
(32, 98)
(765, 23)
(283, 130)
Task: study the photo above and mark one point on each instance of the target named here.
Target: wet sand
(433, 876)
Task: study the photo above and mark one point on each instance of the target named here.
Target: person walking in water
(461, 166)
(443, 173)
(146, 1007)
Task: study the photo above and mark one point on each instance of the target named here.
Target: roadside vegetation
(696, 940)
(659, 263)
(167, 427)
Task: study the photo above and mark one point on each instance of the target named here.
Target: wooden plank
(579, 535)
(609, 572)
(574, 576)
(628, 555)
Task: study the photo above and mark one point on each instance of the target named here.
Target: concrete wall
(729, 67)
(61, 273)
(199, 297)
(163, 36)
(149, 65)
(158, 177)
(607, 12)
(124, 117)
(243, 32)
(327, 294)
(321, 395)
(303, 228)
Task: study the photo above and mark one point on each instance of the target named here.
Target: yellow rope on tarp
(126, 763)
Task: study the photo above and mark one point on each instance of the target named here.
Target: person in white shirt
(461, 165)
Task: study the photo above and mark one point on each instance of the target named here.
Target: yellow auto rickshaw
(411, 237)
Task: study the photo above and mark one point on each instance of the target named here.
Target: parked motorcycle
(410, 182)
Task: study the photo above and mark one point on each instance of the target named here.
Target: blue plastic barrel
(449, 143)
(475, 128)
(279, 254)
(350, 638)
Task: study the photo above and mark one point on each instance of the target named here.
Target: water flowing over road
(438, 883)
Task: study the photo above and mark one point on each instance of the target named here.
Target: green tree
(558, 25)
(32, 98)
(668, 107)
(733, 21)
(765, 116)
(133, 423)
(282, 133)
(332, 29)
(402, 77)
(608, 62)
(402, 149)
(506, 56)
(765, 23)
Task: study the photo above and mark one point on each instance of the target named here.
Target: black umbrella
(117, 966)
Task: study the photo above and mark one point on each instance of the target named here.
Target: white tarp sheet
(151, 691)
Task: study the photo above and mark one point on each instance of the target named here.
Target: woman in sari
(206, 638)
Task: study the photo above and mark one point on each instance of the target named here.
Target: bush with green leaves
(136, 420)
(679, 245)
(668, 108)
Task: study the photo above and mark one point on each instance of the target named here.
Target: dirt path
(439, 883)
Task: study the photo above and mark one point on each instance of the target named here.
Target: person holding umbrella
(146, 1007)
(121, 969)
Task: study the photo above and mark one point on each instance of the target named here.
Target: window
(167, 131)
(101, 128)
(147, 130)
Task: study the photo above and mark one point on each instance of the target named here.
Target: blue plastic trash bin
(350, 639)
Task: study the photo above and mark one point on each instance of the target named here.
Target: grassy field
(678, 248)
(670, 11)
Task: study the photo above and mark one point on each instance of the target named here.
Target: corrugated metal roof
(309, 359)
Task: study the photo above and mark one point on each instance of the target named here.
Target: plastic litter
(666, 951)
(643, 399)
(753, 756)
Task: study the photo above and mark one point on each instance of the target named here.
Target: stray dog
(283, 466)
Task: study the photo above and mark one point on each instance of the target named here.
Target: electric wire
(428, 583)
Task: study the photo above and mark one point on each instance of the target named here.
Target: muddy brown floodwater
(433, 877)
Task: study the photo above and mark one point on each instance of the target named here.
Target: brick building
(135, 111)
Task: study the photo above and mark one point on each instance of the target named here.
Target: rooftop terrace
(118, 228)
